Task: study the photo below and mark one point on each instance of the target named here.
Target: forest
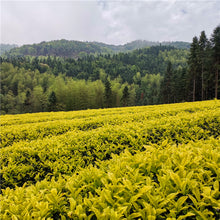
(6, 47)
(79, 49)
(158, 74)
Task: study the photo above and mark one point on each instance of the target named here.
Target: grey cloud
(114, 22)
(165, 20)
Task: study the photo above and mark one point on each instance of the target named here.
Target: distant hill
(62, 48)
(6, 47)
(139, 44)
(177, 44)
(78, 49)
(148, 60)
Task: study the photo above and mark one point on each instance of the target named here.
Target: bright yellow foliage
(149, 162)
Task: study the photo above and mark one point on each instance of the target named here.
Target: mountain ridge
(79, 49)
(6, 47)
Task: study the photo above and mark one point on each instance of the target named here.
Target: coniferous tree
(193, 66)
(178, 85)
(215, 40)
(209, 74)
(108, 94)
(202, 56)
(28, 101)
(125, 96)
(52, 101)
(166, 87)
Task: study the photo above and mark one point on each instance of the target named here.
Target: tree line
(78, 49)
(155, 75)
(25, 91)
(200, 80)
(204, 65)
(148, 60)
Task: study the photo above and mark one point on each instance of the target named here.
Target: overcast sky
(114, 22)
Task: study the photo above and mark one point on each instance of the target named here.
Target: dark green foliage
(52, 101)
(204, 60)
(28, 101)
(108, 94)
(179, 85)
(194, 66)
(78, 49)
(158, 74)
(203, 41)
(63, 48)
(125, 96)
(149, 60)
(167, 86)
(41, 75)
(215, 40)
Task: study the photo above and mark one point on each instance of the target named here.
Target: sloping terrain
(79, 49)
(149, 162)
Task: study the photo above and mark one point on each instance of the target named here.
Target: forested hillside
(78, 49)
(153, 75)
(139, 44)
(61, 48)
(149, 60)
(6, 47)
(33, 84)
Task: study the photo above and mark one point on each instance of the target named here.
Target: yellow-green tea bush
(169, 182)
(151, 162)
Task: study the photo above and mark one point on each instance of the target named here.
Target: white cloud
(114, 22)
(163, 20)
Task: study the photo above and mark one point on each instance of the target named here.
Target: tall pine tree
(125, 96)
(215, 40)
(52, 99)
(202, 57)
(193, 66)
(108, 99)
(167, 85)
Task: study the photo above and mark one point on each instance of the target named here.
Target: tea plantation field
(148, 162)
